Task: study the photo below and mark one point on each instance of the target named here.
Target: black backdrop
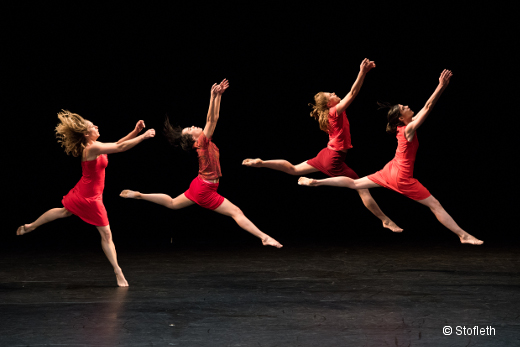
(116, 65)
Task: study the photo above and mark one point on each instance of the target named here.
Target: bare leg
(281, 165)
(361, 185)
(340, 181)
(162, 199)
(448, 222)
(228, 209)
(49, 216)
(110, 251)
(372, 206)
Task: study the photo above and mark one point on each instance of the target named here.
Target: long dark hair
(176, 138)
(393, 115)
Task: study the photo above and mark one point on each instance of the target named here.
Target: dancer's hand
(223, 86)
(445, 77)
(214, 90)
(366, 65)
(149, 133)
(139, 126)
(252, 162)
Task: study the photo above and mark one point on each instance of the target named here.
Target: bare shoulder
(409, 131)
(92, 151)
(95, 145)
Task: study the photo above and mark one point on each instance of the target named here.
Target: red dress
(85, 200)
(398, 173)
(331, 159)
(201, 191)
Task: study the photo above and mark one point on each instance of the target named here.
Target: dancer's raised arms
(214, 107)
(414, 122)
(366, 66)
(96, 148)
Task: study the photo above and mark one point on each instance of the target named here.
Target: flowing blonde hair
(71, 131)
(320, 111)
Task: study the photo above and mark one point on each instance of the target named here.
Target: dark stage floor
(354, 295)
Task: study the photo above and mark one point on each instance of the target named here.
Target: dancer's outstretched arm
(98, 148)
(221, 89)
(366, 66)
(138, 127)
(417, 120)
(214, 108)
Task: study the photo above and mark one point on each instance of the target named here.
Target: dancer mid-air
(79, 137)
(398, 173)
(203, 189)
(330, 112)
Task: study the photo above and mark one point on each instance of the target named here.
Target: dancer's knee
(364, 194)
(366, 197)
(291, 169)
(66, 213)
(175, 205)
(435, 205)
(106, 234)
(236, 212)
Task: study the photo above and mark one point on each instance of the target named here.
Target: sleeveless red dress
(201, 191)
(398, 173)
(85, 200)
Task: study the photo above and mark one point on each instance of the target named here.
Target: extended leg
(110, 251)
(340, 181)
(162, 199)
(49, 216)
(448, 222)
(373, 207)
(228, 209)
(361, 185)
(281, 165)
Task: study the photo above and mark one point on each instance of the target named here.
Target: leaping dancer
(203, 189)
(398, 173)
(330, 113)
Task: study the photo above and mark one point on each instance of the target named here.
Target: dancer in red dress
(398, 173)
(330, 112)
(203, 188)
(79, 137)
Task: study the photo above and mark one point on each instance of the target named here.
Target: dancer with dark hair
(398, 173)
(329, 111)
(203, 189)
(79, 137)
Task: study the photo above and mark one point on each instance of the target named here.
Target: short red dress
(331, 159)
(85, 200)
(202, 191)
(398, 173)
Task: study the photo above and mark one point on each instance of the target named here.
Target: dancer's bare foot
(252, 162)
(22, 229)
(121, 280)
(392, 226)
(470, 240)
(129, 194)
(269, 241)
(304, 181)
